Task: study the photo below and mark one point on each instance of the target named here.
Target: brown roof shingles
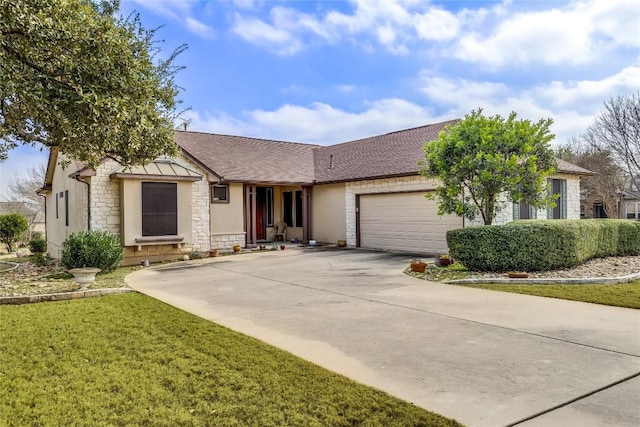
(391, 154)
(242, 159)
(237, 158)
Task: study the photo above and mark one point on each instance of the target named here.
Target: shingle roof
(391, 154)
(237, 158)
(566, 167)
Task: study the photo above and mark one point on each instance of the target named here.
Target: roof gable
(237, 158)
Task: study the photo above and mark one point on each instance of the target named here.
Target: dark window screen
(159, 209)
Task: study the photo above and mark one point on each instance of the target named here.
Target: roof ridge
(250, 137)
(391, 133)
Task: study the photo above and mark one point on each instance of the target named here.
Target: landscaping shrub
(92, 249)
(38, 246)
(535, 245)
(12, 227)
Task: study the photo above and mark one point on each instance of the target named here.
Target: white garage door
(404, 222)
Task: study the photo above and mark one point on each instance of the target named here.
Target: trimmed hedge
(537, 245)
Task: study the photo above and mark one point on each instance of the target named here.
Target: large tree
(607, 185)
(76, 75)
(481, 159)
(616, 129)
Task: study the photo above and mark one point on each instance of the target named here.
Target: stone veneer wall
(227, 240)
(105, 199)
(105, 211)
(573, 204)
(385, 185)
(200, 208)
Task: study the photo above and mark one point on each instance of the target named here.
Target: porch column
(306, 213)
(250, 215)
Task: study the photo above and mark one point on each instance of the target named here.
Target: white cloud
(572, 105)
(576, 93)
(577, 33)
(199, 28)
(393, 24)
(262, 34)
(320, 123)
(346, 88)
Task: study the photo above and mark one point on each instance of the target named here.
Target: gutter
(76, 176)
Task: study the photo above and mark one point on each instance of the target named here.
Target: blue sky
(331, 71)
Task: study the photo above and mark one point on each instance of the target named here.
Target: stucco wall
(227, 220)
(57, 230)
(386, 185)
(328, 221)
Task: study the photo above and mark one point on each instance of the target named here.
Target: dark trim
(157, 239)
(66, 207)
(212, 200)
(357, 220)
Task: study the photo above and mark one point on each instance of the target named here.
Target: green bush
(535, 245)
(38, 246)
(13, 227)
(97, 249)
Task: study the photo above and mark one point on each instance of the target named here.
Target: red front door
(259, 217)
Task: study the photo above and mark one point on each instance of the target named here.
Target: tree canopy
(480, 158)
(75, 75)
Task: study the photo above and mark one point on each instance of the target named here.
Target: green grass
(620, 295)
(131, 360)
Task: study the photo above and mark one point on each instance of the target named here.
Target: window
(269, 202)
(292, 209)
(220, 193)
(159, 209)
(558, 186)
(57, 205)
(524, 211)
(66, 207)
(632, 210)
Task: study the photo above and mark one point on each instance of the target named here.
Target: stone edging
(62, 296)
(549, 280)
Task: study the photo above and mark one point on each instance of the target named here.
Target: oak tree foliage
(479, 159)
(76, 75)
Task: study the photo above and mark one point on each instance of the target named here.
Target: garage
(404, 222)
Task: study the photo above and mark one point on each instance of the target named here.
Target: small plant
(196, 254)
(93, 248)
(38, 245)
(42, 258)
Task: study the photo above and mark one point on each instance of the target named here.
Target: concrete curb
(550, 280)
(62, 296)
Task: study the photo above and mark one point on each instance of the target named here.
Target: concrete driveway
(484, 358)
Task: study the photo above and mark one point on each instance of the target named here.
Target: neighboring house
(33, 213)
(631, 201)
(227, 190)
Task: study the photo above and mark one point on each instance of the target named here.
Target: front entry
(261, 221)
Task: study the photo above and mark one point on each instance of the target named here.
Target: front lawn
(620, 295)
(131, 360)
